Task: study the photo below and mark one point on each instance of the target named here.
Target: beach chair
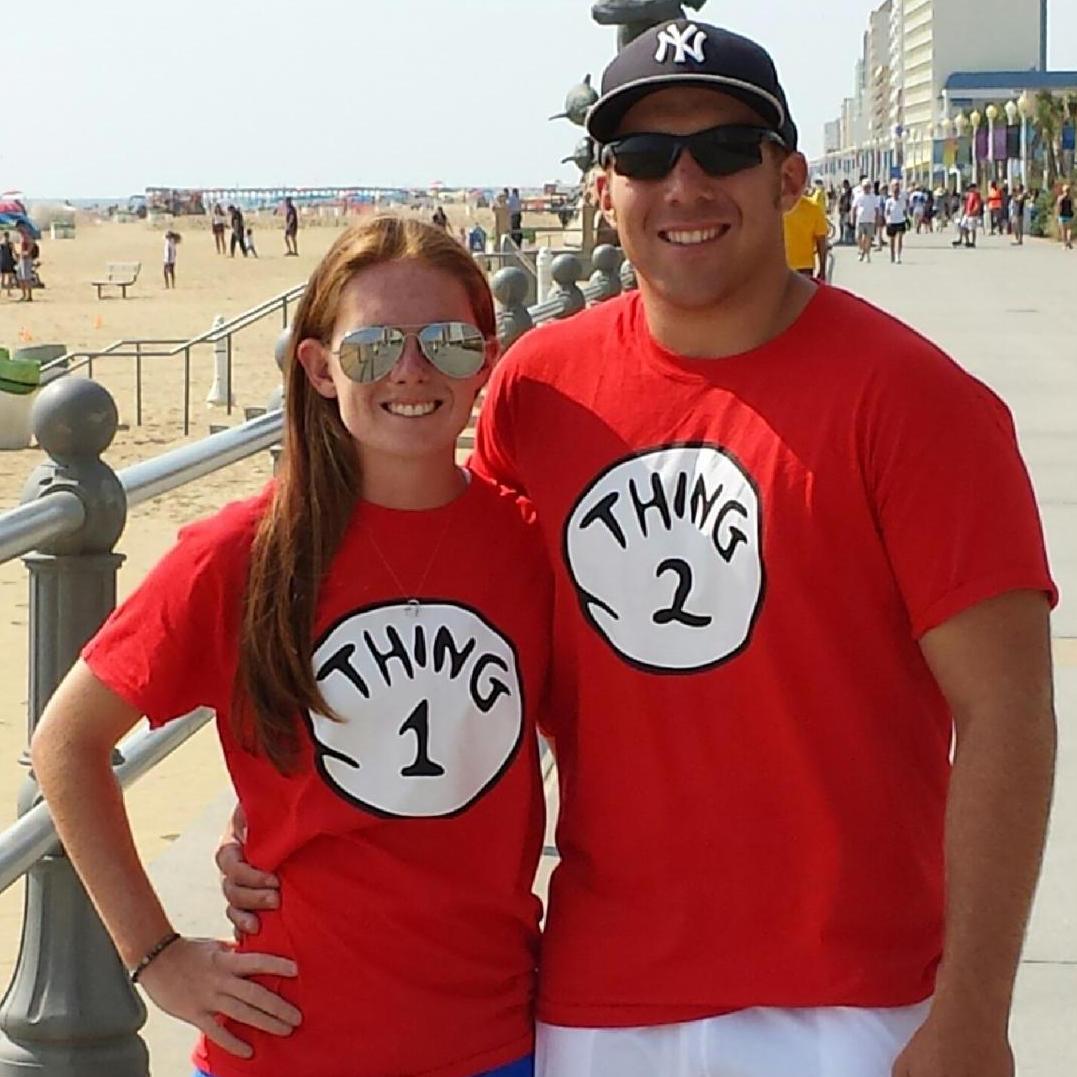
(118, 275)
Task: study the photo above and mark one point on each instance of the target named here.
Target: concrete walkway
(1010, 316)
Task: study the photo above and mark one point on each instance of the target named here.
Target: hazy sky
(124, 94)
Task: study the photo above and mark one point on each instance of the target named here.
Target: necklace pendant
(412, 608)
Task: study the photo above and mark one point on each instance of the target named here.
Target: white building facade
(902, 124)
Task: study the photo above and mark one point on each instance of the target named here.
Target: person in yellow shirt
(818, 194)
(805, 238)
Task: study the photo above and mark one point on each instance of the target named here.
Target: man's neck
(740, 322)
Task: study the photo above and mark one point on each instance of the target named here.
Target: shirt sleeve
(953, 498)
(170, 647)
(494, 456)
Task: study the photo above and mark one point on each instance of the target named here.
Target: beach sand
(68, 312)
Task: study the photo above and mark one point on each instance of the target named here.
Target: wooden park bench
(118, 275)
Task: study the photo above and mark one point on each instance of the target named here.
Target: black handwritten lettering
(419, 646)
(676, 611)
(396, 650)
(700, 498)
(604, 511)
(445, 647)
(657, 503)
(736, 536)
(340, 662)
(496, 688)
(418, 722)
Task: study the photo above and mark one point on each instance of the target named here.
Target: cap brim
(607, 113)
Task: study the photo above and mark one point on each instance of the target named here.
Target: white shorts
(825, 1042)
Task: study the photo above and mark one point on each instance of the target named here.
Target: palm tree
(1049, 116)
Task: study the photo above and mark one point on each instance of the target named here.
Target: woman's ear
(313, 356)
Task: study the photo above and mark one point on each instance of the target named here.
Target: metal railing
(141, 348)
(70, 1010)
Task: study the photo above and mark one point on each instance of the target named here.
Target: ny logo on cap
(688, 43)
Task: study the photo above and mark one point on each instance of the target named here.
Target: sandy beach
(67, 312)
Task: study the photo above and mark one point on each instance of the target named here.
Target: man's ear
(313, 356)
(794, 177)
(602, 196)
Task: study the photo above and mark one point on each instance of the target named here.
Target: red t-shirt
(407, 842)
(752, 750)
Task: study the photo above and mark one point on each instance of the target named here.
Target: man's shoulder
(559, 347)
(898, 363)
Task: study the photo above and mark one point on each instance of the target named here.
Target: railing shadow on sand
(70, 1009)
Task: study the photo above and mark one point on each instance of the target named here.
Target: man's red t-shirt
(974, 204)
(753, 753)
(407, 841)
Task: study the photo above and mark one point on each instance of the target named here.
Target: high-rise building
(922, 64)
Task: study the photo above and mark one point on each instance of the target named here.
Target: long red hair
(316, 491)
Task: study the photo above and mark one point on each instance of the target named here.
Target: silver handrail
(34, 834)
(24, 528)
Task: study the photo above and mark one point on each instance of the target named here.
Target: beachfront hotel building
(941, 92)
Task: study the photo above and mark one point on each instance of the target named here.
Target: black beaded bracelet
(152, 956)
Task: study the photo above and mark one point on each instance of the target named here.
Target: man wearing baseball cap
(789, 569)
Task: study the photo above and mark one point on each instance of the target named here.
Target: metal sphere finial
(74, 418)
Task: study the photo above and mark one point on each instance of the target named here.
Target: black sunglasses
(719, 151)
(370, 352)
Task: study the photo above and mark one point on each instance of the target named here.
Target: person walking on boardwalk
(866, 210)
(1064, 213)
(897, 220)
(797, 558)
(805, 229)
(378, 722)
(1018, 202)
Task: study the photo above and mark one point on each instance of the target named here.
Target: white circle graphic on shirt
(431, 707)
(664, 550)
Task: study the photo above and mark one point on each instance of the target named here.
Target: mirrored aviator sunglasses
(719, 151)
(369, 353)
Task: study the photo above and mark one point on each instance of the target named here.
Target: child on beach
(250, 241)
(372, 631)
(172, 240)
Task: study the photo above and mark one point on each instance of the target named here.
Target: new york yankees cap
(688, 53)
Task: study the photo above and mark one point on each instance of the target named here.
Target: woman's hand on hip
(200, 980)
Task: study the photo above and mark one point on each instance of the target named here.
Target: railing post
(567, 270)
(70, 1010)
(607, 261)
(628, 276)
(510, 286)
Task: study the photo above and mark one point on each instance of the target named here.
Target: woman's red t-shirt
(407, 840)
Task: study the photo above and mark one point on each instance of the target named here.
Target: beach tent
(13, 215)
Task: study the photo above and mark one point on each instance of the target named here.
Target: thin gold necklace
(413, 606)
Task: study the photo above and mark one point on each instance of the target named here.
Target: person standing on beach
(218, 221)
(239, 238)
(24, 270)
(378, 721)
(769, 863)
(249, 240)
(172, 240)
(7, 264)
(291, 228)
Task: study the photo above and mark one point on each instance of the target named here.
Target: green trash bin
(19, 380)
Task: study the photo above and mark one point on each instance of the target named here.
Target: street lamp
(1027, 107)
(1012, 112)
(992, 115)
(974, 122)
